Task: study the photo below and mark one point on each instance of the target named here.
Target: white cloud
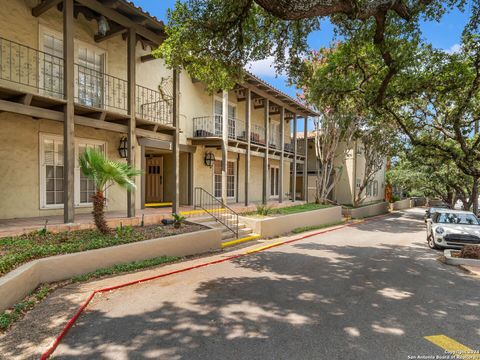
(264, 67)
(454, 49)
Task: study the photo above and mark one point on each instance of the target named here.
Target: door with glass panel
(274, 181)
(90, 77)
(217, 179)
(232, 114)
(50, 66)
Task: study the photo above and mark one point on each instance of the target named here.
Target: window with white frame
(86, 188)
(369, 188)
(91, 68)
(51, 69)
(51, 172)
(375, 188)
(231, 179)
(218, 114)
(274, 181)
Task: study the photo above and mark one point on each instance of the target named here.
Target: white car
(452, 229)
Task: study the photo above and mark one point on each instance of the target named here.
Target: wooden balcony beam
(123, 20)
(44, 6)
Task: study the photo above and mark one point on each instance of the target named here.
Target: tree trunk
(98, 212)
(475, 195)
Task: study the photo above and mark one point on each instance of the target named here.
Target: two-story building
(76, 74)
(350, 161)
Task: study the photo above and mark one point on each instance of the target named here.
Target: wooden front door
(154, 179)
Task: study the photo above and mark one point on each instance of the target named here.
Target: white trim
(42, 174)
(277, 181)
(234, 161)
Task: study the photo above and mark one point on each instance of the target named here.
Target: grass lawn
(17, 250)
(267, 211)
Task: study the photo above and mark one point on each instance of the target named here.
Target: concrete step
(240, 237)
(227, 235)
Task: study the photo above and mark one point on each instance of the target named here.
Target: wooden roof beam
(44, 6)
(123, 20)
(115, 30)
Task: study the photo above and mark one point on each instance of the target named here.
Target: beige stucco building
(350, 161)
(78, 73)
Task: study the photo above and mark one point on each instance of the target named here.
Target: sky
(443, 35)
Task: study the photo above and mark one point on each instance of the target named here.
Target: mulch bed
(16, 250)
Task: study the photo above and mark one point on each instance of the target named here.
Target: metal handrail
(217, 209)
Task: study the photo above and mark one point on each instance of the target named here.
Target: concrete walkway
(371, 291)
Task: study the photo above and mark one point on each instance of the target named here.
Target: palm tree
(104, 173)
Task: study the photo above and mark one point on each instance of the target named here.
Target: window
(358, 182)
(87, 188)
(232, 114)
(231, 179)
(90, 77)
(369, 189)
(375, 188)
(51, 172)
(89, 70)
(274, 181)
(51, 69)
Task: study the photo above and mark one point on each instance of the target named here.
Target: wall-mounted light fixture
(209, 159)
(123, 148)
(103, 26)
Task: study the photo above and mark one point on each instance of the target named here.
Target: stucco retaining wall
(18, 283)
(274, 226)
(402, 204)
(366, 211)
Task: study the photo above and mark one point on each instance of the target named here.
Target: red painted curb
(74, 318)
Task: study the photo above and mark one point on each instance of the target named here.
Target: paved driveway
(372, 291)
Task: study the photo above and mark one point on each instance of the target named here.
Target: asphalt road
(372, 291)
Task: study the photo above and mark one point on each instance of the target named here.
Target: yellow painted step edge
(239, 241)
(158, 204)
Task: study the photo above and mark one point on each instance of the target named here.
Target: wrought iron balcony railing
(99, 90)
(154, 106)
(38, 72)
(31, 70)
(212, 126)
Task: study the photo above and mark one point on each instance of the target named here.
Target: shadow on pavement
(307, 301)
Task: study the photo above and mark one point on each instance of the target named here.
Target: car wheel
(431, 242)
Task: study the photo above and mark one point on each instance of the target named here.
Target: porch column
(175, 140)
(248, 115)
(224, 144)
(69, 114)
(190, 177)
(294, 163)
(143, 181)
(131, 140)
(282, 154)
(305, 161)
(266, 115)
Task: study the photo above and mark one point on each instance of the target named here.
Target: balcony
(24, 69)
(212, 127)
